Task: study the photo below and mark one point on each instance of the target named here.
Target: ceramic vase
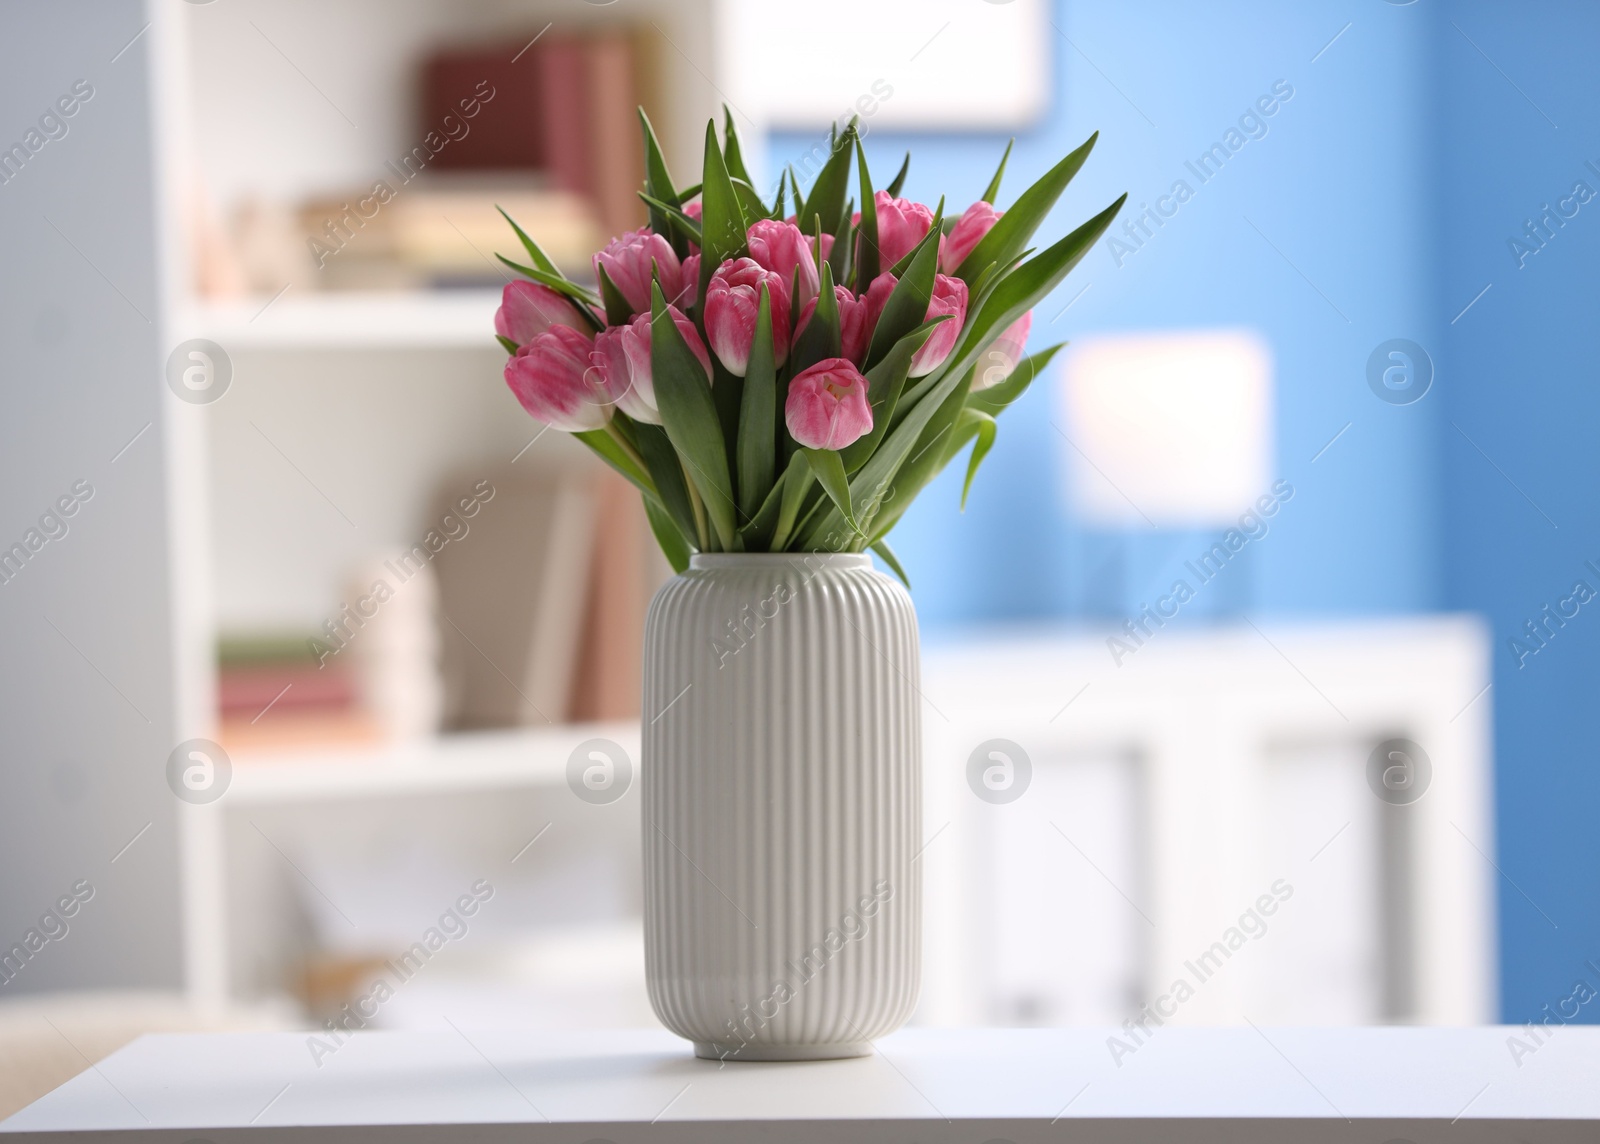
(781, 780)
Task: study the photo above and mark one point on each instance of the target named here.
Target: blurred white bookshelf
(462, 761)
(263, 853)
(383, 320)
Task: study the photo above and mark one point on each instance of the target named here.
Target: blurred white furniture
(1167, 797)
(355, 851)
(1170, 793)
(1425, 1086)
(118, 618)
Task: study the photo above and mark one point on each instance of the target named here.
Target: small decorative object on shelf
(779, 386)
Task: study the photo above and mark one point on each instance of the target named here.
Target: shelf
(441, 319)
(484, 760)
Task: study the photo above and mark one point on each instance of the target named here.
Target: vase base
(707, 1050)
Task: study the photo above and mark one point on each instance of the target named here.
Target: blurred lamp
(1172, 428)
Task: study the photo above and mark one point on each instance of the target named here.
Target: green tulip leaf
(689, 415)
(658, 185)
(618, 312)
(750, 200)
(799, 199)
(995, 399)
(825, 203)
(867, 241)
(978, 427)
(820, 338)
(795, 483)
(666, 470)
(899, 181)
(537, 255)
(839, 252)
(885, 384)
(907, 306)
(1019, 291)
(926, 459)
(886, 554)
(722, 221)
(732, 153)
(1004, 242)
(675, 215)
(994, 183)
(777, 208)
(556, 282)
(674, 545)
(609, 450)
(829, 469)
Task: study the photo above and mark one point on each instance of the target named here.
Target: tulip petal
(758, 413)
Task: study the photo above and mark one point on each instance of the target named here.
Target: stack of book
(273, 694)
(546, 131)
(531, 613)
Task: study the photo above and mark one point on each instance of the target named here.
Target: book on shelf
(273, 695)
(511, 594)
(531, 614)
(562, 105)
(625, 569)
(444, 228)
(555, 145)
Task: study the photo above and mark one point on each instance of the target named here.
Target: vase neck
(842, 561)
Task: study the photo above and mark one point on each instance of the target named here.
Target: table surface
(978, 1085)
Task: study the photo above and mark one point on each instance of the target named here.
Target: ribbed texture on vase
(781, 777)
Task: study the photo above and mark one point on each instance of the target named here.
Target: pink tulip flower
(1004, 354)
(855, 330)
(949, 297)
(901, 225)
(612, 372)
(781, 248)
(555, 383)
(693, 210)
(691, 283)
(975, 222)
(732, 299)
(827, 241)
(636, 345)
(627, 260)
(528, 309)
(876, 297)
(827, 406)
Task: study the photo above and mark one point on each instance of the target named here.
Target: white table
(925, 1086)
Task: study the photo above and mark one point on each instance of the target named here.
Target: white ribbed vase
(782, 805)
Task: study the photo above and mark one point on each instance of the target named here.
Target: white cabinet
(1203, 814)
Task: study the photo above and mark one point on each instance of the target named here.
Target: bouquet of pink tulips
(775, 381)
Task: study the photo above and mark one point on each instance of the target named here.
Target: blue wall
(1338, 184)
(1518, 376)
(1389, 184)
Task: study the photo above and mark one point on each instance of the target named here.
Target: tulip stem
(622, 443)
(704, 533)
